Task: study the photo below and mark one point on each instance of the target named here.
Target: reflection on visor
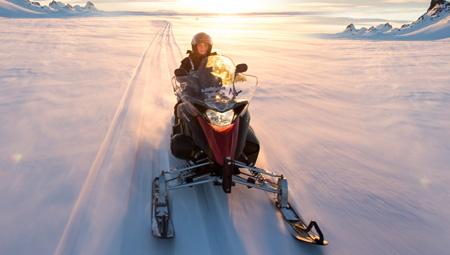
(215, 86)
(222, 68)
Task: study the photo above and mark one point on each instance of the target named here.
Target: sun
(223, 6)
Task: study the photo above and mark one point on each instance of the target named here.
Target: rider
(201, 47)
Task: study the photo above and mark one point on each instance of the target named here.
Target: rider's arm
(186, 64)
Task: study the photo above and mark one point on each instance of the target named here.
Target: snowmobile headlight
(220, 118)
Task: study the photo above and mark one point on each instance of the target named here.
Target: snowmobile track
(70, 236)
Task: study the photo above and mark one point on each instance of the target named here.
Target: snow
(438, 30)
(8, 9)
(60, 89)
(433, 25)
(31, 9)
(359, 128)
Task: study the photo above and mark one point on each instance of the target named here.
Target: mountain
(27, 8)
(432, 25)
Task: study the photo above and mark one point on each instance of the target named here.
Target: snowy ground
(360, 129)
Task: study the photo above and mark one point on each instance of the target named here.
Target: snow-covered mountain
(27, 8)
(434, 24)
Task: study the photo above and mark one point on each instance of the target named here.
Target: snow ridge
(432, 25)
(30, 9)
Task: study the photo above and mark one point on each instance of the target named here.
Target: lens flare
(17, 157)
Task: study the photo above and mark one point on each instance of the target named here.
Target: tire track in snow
(173, 44)
(78, 216)
(152, 156)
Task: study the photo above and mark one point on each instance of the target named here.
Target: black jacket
(193, 61)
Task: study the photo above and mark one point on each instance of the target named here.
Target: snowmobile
(212, 134)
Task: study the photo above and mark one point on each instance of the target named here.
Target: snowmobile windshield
(216, 84)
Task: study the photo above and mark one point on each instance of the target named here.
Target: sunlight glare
(228, 7)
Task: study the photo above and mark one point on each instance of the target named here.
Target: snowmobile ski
(310, 234)
(162, 226)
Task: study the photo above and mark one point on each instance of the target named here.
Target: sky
(384, 9)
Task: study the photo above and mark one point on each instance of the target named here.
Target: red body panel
(221, 140)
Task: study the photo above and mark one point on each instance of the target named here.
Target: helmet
(201, 38)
